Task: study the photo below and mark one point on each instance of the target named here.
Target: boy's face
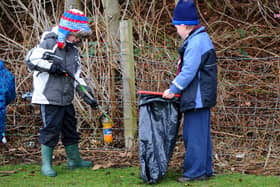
(73, 39)
(183, 30)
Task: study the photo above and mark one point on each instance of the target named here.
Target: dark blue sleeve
(11, 91)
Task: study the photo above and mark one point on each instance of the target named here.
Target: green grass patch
(30, 176)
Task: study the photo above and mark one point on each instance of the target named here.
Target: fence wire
(245, 121)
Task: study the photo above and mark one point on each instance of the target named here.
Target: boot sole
(75, 167)
(49, 175)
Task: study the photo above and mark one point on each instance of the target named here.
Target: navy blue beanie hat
(185, 13)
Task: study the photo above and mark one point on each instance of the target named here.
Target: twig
(226, 133)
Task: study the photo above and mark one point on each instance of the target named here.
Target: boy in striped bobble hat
(75, 22)
(56, 55)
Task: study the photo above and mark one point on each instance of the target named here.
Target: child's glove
(57, 69)
(2, 138)
(90, 101)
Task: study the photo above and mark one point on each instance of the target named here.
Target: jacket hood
(49, 34)
(196, 31)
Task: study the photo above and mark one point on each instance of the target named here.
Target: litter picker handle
(154, 93)
(90, 96)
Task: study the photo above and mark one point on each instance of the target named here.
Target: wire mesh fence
(245, 121)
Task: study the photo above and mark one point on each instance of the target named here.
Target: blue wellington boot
(73, 158)
(47, 169)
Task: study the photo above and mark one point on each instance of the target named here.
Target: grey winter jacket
(50, 88)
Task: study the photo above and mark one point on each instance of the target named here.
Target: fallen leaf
(102, 166)
(96, 167)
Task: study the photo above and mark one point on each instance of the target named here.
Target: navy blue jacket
(7, 93)
(197, 79)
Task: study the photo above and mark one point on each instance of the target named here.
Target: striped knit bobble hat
(72, 21)
(185, 13)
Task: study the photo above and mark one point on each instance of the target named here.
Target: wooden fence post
(128, 73)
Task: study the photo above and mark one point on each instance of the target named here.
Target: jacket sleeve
(78, 75)
(11, 91)
(35, 62)
(34, 58)
(80, 80)
(192, 60)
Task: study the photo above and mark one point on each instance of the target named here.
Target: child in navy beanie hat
(185, 13)
(196, 81)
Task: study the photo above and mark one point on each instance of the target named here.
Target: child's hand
(2, 138)
(167, 94)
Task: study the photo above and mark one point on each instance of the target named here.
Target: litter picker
(154, 93)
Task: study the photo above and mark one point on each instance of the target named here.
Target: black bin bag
(158, 128)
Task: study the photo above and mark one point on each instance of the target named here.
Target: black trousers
(58, 120)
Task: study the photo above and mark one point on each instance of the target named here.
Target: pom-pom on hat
(185, 13)
(72, 21)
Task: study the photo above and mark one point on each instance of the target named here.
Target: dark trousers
(58, 120)
(197, 140)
